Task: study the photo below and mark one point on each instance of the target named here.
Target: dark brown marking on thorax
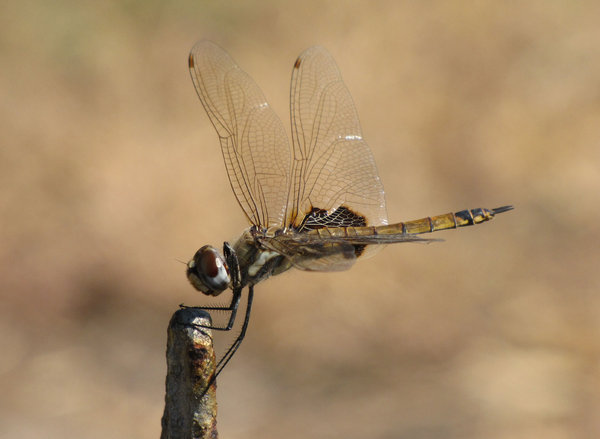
(191, 61)
(297, 63)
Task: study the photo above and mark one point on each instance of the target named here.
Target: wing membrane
(333, 166)
(314, 252)
(253, 140)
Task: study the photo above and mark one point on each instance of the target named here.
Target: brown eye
(207, 263)
(208, 272)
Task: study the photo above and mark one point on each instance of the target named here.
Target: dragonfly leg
(238, 341)
(233, 264)
(235, 345)
(232, 307)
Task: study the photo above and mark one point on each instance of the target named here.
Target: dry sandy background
(110, 172)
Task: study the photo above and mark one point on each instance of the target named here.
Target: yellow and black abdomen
(452, 220)
(407, 231)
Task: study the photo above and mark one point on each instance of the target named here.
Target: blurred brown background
(110, 172)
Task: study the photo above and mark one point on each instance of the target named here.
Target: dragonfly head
(207, 271)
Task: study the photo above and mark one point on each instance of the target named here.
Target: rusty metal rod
(190, 404)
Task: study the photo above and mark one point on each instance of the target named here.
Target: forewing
(253, 140)
(332, 165)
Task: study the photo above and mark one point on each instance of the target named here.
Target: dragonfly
(317, 205)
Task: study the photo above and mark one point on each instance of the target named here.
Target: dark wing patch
(340, 217)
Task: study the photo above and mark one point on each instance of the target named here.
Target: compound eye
(208, 271)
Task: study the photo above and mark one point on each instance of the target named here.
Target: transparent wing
(319, 252)
(312, 254)
(253, 140)
(333, 166)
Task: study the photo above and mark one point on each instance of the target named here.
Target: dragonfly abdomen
(452, 220)
(402, 232)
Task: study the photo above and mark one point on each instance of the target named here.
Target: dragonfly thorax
(208, 272)
(257, 262)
